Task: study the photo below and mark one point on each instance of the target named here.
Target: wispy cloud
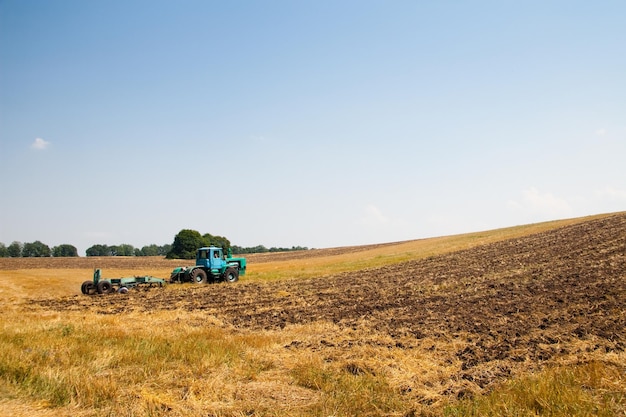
(612, 194)
(39, 144)
(373, 216)
(535, 202)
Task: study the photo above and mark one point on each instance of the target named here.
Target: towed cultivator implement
(101, 285)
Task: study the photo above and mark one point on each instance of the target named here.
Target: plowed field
(505, 306)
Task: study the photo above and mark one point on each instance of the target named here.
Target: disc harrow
(101, 285)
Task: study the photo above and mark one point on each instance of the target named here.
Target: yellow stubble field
(425, 327)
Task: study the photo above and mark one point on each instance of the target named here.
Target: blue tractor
(211, 265)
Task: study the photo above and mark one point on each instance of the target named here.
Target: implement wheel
(198, 276)
(104, 287)
(88, 288)
(231, 275)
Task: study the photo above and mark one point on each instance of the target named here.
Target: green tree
(64, 251)
(36, 249)
(150, 250)
(255, 249)
(98, 250)
(15, 249)
(123, 250)
(218, 241)
(3, 251)
(153, 250)
(163, 250)
(185, 244)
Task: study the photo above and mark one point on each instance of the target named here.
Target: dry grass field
(523, 321)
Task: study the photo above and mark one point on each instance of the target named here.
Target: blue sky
(320, 124)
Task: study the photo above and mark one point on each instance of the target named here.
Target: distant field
(66, 274)
(528, 320)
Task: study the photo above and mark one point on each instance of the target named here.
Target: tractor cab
(210, 258)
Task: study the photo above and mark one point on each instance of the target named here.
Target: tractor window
(202, 254)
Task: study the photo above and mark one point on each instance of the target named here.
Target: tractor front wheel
(198, 276)
(231, 275)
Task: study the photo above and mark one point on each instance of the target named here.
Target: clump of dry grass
(148, 365)
(593, 388)
(348, 389)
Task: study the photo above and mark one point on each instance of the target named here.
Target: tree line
(263, 249)
(187, 241)
(128, 250)
(185, 244)
(38, 249)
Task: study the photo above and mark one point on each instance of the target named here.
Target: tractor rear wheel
(231, 275)
(88, 288)
(104, 287)
(198, 276)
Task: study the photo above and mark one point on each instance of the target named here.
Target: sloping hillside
(499, 308)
